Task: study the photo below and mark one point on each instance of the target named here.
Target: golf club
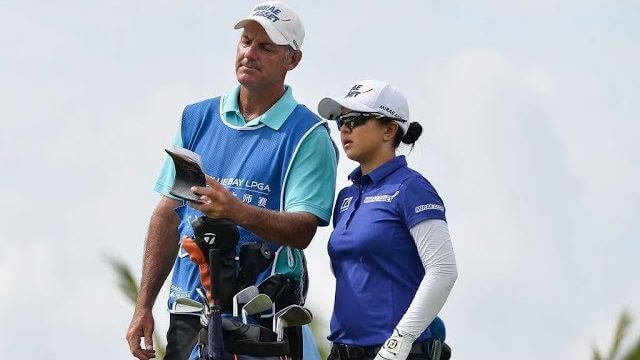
(184, 305)
(204, 317)
(256, 305)
(293, 315)
(243, 296)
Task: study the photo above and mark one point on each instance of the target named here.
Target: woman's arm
(436, 252)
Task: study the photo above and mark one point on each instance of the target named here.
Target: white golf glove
(397, 347)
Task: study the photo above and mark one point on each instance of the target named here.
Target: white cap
(369, 96)
(280, 22)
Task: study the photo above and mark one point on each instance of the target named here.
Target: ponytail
(413, 133)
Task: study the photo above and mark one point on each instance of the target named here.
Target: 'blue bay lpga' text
(243, 183)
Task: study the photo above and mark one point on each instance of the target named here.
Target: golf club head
(293, 315)
(256, 305)
(244, 296)
(187, 306)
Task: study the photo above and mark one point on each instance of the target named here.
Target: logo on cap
(356, 90)
(269, 12)
(390, 111)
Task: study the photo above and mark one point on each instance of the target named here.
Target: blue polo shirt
(310, 186)
(373, 255)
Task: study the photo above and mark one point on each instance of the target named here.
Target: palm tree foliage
(129, 288)
(619, 336)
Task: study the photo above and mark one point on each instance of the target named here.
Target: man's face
(260, 62)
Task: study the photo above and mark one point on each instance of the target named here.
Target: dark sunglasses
(355, 119)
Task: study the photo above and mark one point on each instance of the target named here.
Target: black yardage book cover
(188, 173)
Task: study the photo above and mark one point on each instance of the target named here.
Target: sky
(530, 120)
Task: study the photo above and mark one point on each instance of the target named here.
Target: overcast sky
(530, 111)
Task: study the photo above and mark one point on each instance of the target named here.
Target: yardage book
(188, 173)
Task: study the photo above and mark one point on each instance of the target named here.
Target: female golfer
(390, 248)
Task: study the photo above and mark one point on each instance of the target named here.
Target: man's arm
(159, 255)
(160, 250)
(294, 229)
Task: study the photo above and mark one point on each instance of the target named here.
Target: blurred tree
(619, 336)
(129, 288)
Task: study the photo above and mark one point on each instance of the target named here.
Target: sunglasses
(354, 119)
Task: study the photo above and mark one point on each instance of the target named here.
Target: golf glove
(397, 347)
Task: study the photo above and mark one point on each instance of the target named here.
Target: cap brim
(268, 27)
(330, 107)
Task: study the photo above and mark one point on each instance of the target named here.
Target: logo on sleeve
(381, 198)
(345, 203)
(426, 207)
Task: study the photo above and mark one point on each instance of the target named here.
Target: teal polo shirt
(311, 184)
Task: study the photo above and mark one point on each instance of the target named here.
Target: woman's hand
(397, 347)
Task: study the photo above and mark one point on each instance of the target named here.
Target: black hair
(413, 133)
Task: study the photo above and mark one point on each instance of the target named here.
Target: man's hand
(294, 229)
(219, 203)
(397, 347)
(141, 326)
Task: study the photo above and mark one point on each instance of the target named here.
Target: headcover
(215, 234)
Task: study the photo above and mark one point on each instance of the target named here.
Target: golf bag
(281, 274)
(248, 342)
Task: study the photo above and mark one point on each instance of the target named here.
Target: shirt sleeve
(311, 183)
(168, 171)
(436, 253)
(419, 201)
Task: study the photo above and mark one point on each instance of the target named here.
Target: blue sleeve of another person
(419, 201)
(168, 171)
(309, 346)
(311, 183)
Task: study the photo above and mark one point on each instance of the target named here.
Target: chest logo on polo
(380, 198)
(345, 203)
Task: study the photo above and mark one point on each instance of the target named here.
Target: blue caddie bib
(252, 163)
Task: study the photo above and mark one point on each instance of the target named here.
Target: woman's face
(364, 142)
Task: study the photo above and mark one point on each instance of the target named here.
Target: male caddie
(272, 168)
